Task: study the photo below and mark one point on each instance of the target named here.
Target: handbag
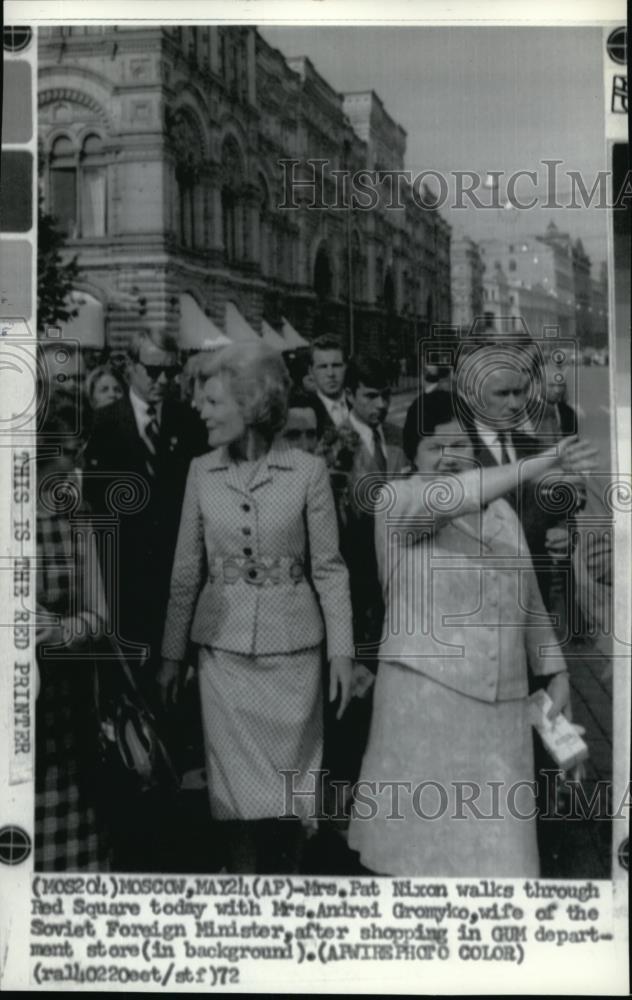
(132, 752)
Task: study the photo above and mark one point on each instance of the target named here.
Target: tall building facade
(541, 280)
(166, 154)
(496, 303)
(582, 291)
(599, 306)
(466, 274)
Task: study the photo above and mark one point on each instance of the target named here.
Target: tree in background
(55, 278)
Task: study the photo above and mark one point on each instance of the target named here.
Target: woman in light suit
(464, 619)
(257, 584)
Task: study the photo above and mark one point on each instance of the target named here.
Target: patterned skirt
(262, 716)
(69, 831)
(465, 804)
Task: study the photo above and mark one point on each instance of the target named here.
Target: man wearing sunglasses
(145, 441)
(137, 460)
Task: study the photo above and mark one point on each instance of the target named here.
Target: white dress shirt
(142, 417)
(336, 408)
(489, 437)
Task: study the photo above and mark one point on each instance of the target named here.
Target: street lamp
(347, 189)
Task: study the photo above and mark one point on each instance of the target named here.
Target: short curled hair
(159, 338)
(257, 379)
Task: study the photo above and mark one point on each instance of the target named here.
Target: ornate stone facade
(160, 152)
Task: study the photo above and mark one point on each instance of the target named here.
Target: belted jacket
(257, 569)
(462, 602)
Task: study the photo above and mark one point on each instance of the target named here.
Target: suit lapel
(278, 457)
(130, 433)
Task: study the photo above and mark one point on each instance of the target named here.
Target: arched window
(77, 186)
(188, 144)
(93, 187)
(63, 185)
(185, 178)
(322, 273)
(233, 62)
(231, 200)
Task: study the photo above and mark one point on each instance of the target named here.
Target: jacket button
(247, 551)
(246, 507)
(246, 531)
(252, 573)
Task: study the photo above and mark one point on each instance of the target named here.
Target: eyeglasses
(155, 371)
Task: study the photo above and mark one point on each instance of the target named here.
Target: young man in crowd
(327, 374)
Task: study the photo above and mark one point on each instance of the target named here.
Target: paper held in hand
(560, 737)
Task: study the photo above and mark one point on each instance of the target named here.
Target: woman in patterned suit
(257, 584)
(464, 622)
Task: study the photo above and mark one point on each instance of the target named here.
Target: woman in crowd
(464, 619)
(103, 386)
(256, 514)
(71, 615)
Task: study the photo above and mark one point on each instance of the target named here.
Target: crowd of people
(350, 600)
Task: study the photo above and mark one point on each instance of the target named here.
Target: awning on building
(237, 328)
(197, 330)
(291, 336)
(88, 326)
(273, 339)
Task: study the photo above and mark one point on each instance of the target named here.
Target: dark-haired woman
(449, 758)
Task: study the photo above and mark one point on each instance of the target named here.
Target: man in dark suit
(327, 376)
(150, 438)
(377, 453)
(557, 418)
(493, 382)
(143, 444)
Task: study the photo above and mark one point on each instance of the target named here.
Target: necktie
(378, 451)
(152, 434)
(505, 458)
